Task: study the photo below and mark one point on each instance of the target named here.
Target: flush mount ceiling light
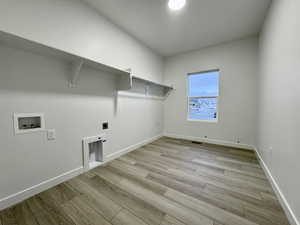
(176, 4)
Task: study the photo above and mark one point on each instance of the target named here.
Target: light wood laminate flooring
(167, 182)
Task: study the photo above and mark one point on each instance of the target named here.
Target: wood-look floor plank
(230, 180)
(127, 218)
(82, 214)
(209, 210)
(76, 216)
(208, 148)
(211, 170)
(252, 163)
(167, 162)
(164, 163)
(247, 178)
(235, 168)
(271, 199)
(205, 154)
(127, 160)
(171, 145)
(175, 174)
(23, 215)
(242, 190)
(34, 205)
(244, 200)
(58, 195)
(204, 150)
(138, 207)
(243, 152)
(95, 200)
(48, 211)
(8, 217)
(170, 220)
(131, 169)
(162, 150)
(271, 216)
(141, 180)
(90, 174)
(217, 223)
(214, 162)
(224, 156)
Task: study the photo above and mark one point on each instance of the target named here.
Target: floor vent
(196, 142)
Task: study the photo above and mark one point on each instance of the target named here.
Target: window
(203, 95)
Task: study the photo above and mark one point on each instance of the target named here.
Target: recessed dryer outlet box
(93, 151)
(28, 122)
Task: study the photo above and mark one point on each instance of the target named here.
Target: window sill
(205, 121)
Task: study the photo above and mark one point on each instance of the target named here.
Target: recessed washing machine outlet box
(28, 122)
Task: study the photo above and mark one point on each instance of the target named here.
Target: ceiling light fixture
(176, 4)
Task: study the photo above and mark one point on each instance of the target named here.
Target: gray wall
(279, 98)
(237, 62)
(74, 27)
(34, 83)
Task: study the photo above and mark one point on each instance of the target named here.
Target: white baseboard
(283, 201)
(210, 141)
(130, 148)
(29, 192)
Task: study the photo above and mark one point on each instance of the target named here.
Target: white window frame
(188, 97)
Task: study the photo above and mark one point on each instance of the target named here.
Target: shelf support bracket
(168, 91)
(125, 82)
(75, 72)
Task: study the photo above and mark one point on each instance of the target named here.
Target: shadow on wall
(25, 73)
(33, 74)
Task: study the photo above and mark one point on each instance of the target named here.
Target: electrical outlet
(105, 126)
(51, 134)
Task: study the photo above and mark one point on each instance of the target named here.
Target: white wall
(279, 94)
(72, 26)
(32, 83)
(35, 83)
(237, 62)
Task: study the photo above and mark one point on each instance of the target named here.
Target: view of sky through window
(203, 95)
